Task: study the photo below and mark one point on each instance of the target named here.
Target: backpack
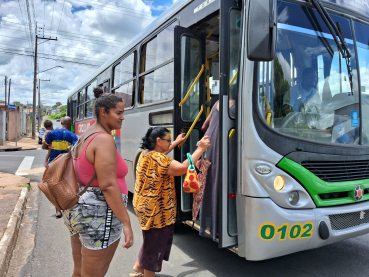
(59, 182)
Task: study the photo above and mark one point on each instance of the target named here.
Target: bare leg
(77, 255)
(95, 263)
(138, 268)
(58, 213)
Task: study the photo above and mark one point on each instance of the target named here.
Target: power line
(87, 36)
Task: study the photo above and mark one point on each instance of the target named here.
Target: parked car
(41, 135)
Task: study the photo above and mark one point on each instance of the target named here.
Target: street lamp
(34, 100)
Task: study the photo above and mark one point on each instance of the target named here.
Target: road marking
(25, 165)
(12, 156)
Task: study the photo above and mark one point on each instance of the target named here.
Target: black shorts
(156, 246)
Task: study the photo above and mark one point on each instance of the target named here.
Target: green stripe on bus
(315, 186)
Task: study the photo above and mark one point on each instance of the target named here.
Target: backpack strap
(87, 185)
(93, 177)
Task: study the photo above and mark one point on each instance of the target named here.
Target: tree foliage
(281, 87)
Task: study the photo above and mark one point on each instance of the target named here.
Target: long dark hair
(105, 100)
(149, 140)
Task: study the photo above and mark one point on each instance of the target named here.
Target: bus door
(189, 100)
(230, 14)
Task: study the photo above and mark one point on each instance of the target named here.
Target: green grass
(26, 186)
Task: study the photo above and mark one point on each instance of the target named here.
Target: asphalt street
(43, 247)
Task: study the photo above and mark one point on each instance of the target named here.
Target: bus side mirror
(262, 30)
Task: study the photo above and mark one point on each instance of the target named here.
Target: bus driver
(304, 94)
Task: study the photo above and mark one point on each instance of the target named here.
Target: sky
(88, 33)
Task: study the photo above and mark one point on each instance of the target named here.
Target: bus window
(190, 68)
(125, 70)
(234, 43)
(90, 99)
(158, 53)
(126, 92)
(362, 35)
(81, 105)
(305, 91)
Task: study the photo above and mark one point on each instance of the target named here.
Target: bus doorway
(202, 81)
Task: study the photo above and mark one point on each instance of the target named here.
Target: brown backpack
(59, 183)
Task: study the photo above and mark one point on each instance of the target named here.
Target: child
(48, 124)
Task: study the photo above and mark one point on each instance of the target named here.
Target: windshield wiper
(335, 31)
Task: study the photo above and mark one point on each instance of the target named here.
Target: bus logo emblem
(358, 193)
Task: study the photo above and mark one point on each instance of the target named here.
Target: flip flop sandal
(59, 216)
(136, 274)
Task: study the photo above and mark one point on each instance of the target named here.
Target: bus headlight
(279, 182)
(294, 197)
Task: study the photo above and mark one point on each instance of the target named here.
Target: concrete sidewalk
(13, 197)
(23, 143)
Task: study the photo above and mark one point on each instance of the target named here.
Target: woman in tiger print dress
(154, 200)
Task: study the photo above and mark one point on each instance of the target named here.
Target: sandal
(136, 274)
(59, 216)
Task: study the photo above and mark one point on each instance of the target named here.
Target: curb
(9, 239)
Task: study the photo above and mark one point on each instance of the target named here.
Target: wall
(10, 134)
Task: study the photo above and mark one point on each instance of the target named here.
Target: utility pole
(10, 83)
(34, 86)
(6, 81)
(39, 102)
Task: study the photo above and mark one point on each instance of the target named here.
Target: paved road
(43, 248)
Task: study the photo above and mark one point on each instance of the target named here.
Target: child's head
(48, 124)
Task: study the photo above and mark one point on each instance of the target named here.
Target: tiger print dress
(154, 200)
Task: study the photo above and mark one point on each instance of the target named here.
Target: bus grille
(344, 221)
(338, 171)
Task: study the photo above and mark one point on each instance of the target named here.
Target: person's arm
(177, 169)
(105, 163)
(205, 126)
(47, 140)
(179, 139)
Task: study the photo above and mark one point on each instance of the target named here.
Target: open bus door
(230, 14)
(189, 99)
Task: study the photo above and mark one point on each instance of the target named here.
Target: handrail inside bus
(213, 55)
(233, 79)
(193, 84)
(208, 83)
(269, 114)
(192, 126)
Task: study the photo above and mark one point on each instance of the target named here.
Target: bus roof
(167, 14)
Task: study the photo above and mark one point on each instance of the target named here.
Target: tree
(57, 104)
(63, 110)
(281, 88)
(18, 103)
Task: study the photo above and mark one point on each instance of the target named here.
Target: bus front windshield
(305, 91)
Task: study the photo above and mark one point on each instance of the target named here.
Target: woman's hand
(204, 143)
(180, 138)
(128, 236)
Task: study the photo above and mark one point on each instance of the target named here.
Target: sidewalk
(13, 198)
(23, 143)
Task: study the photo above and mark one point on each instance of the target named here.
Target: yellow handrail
(269, 114)
(193, 84)
(213, 55)
(208, 85)
(192, 126)
(231, 133)
(233, 79)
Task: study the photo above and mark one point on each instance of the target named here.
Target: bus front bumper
(271, 231)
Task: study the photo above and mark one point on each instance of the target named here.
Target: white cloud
(88, 32)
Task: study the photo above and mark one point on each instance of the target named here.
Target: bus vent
(334, 195)
(338, 171)
(344, 221)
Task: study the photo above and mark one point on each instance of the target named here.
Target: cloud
(88, 33)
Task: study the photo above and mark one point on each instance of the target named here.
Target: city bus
(294, 152)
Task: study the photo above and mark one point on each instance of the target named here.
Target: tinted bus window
(157, 85)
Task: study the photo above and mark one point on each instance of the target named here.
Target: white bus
(294, 156)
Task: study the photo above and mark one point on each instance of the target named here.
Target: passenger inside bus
(304, 95)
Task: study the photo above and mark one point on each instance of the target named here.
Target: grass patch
(2, 187)
(26, 186)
